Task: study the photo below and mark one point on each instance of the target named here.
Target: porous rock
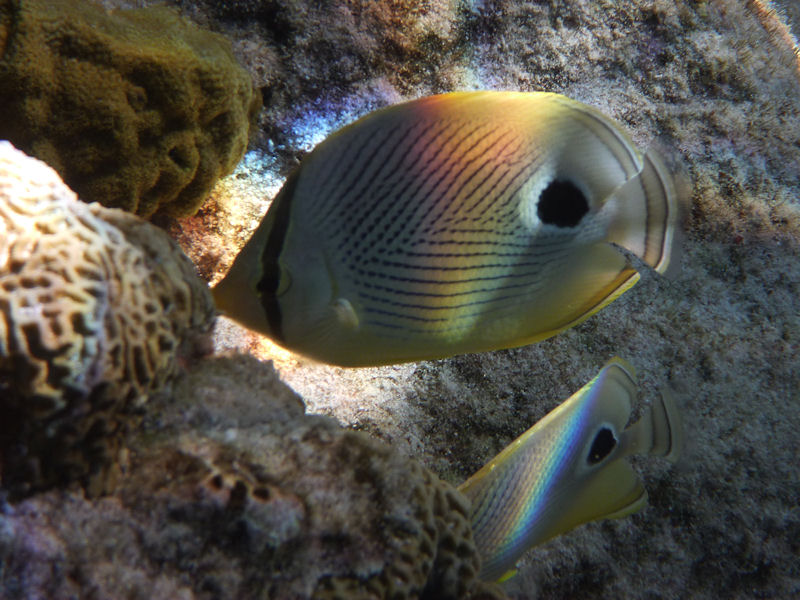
(96, 307)
(233, 491)
(136, 109)
(328, 513)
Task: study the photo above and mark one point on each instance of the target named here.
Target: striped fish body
(568, 469)
(456, 223)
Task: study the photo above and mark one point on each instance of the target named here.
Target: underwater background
(714, 84)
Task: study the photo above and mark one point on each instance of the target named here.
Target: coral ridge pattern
(96, 307)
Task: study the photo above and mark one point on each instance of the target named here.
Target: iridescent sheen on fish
(456, 223)
(568, 469)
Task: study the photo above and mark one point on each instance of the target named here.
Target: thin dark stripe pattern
(420, 217)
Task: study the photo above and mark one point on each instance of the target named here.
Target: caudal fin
(659, 432)
(646, 214)
(616, 490)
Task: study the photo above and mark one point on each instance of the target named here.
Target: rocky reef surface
(232, 491)
(717, 83)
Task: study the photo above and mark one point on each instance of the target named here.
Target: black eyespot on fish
(562, 204)
(604, 442)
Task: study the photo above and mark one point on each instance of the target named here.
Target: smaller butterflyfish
(457, 223)
(568, 469)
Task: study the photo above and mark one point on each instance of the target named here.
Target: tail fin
(659, 432)
(647, 213)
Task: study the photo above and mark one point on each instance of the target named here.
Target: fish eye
(562, 204)
(604, 442)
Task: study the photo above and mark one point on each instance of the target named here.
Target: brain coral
(95, 306)
(232, 491)
(290, 504)
(136, 109)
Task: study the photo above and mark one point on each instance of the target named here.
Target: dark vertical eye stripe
(269, 283)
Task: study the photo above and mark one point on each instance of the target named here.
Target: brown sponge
(135, 109)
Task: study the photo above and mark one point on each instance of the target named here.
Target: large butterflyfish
(457, 223)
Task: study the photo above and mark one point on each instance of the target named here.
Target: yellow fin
(591, 281)
(646, 214)
(569, 468)
(507, 575)
(615, 492)
(659, 432)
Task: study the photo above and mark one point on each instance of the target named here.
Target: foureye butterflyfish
(463, 222)
(569, 469)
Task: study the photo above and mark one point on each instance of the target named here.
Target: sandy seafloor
(716, 83)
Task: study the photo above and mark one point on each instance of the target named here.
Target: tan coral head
(95, 305)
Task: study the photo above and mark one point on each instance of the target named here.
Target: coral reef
(718, 82)
(96, 308)
(136, 109)
(254, 499)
